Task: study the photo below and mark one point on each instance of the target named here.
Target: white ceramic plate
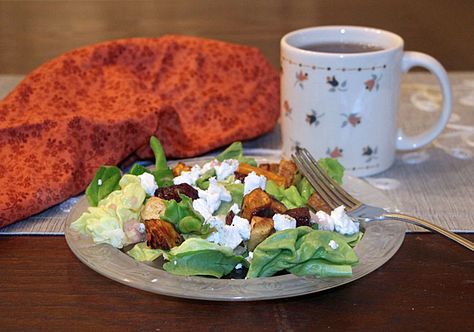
(380, 242)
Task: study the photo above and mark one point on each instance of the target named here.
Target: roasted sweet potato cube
(255, 201)
(260, 229)
(161, 234)
(287, 169)
(318, 204)
(152, 209)
(179, 168)
(247, 169)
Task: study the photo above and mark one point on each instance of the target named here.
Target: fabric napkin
(100, 104)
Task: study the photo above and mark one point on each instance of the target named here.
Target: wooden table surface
(428, 285)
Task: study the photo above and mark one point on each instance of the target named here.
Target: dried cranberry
(172, 192)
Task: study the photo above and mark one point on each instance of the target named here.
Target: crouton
(317, 203)
(152, 209)
(179, 168)
(247, 169)
(254, 202)
(260, 229)
(287, 169)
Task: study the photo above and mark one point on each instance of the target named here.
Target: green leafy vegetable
(203, 181)
(334, 169)
(162, 173)
(105, 181)
(200, 257)
(183, 217)
(138, 169)
(304, 251)
(142, 253)
(236, 191)
(236, 151)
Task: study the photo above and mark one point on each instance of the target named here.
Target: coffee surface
(341, 47)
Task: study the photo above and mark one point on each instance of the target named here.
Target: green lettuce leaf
(291, 249)
(162, 173)
(199, 257)
(105, 180)
(183, 217)
(236, 151)
(334, 169)
(142, 253)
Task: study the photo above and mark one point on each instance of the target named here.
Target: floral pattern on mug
(313, 118)
(335, 84)
(334, 153)
(373, 82)
(370, 153)
(286, 107)
(295, 146)
(301, 77)
(352, 118)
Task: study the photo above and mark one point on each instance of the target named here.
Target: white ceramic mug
(345, 105)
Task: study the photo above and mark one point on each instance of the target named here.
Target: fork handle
(430, 226)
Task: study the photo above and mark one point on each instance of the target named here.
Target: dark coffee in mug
(341, 47)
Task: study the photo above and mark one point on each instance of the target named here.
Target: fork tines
(329, 190)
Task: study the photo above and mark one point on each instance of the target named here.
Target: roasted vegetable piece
(317, 203)
(301, 215)
(152, 209)
(247, 169)
(277, 207)
(172, 192)
(179, 168)
(271, 167)
(260, 229)
(161, 234)
(254, 202)
(287, 169)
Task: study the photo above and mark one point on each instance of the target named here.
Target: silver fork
(334, 195)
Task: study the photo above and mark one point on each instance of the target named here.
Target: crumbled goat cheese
(243, 227)
(338, 221)
(333, 244)
(200, 205)
(235, 208)
(342, 222)
(99, 182)
(226, 169)
(249, 257)
(189, 177)
(214, 195)
(148, 183)
(283, 221)
(254, 181)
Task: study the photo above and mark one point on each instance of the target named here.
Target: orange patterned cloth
(100, 104)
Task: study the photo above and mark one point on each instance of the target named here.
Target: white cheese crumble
(338, 221)
(283, 221)
(235, 208)
(99, 182)
(228, 235)
(249, 257)
(214, 195)
(333, 244)
(189, 177)
(253, 181)
(226, 169)
(148, 183)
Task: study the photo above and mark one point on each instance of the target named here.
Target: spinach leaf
(105, 181)
(162, 173)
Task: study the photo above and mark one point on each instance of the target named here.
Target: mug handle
(417, 59)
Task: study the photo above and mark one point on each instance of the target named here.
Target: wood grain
(32, 32)
(428, 285)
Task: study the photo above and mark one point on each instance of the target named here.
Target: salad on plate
(223, 218)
